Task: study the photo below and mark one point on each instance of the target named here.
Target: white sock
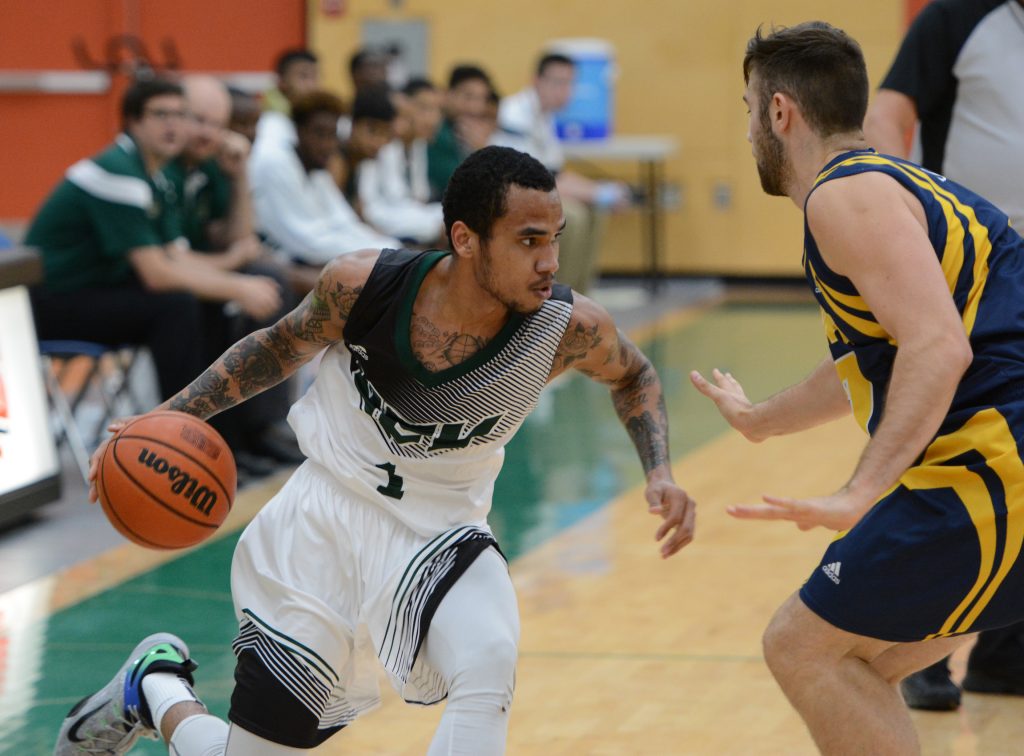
(162, 690)
(199, 735)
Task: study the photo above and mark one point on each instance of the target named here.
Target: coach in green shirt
(113, 272)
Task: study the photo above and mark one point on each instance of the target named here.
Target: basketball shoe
(113, 718)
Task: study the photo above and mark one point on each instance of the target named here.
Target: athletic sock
(199, 735)
(162, 690)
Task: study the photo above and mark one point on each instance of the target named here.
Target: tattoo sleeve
(266, 357)
(640, 405)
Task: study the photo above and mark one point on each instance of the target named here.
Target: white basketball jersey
(425, 446)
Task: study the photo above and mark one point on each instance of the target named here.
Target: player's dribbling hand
(840, 511)
(678, 512)
(728, 395)
(94, 461)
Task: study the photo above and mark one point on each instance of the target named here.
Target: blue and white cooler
(588, 115)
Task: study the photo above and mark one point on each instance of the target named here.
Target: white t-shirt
(520, 113)
(394, 192)
(304, 214)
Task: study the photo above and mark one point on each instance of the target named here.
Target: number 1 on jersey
(394, 485)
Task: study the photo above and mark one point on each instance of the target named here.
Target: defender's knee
(784, 647)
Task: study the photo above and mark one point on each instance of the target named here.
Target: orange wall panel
(227, 35)
(42, 134)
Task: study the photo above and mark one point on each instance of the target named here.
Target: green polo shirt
(444, 155)
(105, 207)
(204, 195)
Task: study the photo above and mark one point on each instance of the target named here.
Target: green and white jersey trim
(112, 187)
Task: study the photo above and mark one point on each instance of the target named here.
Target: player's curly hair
(477, 191)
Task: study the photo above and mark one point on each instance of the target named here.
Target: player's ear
(465, 241)
(781, 111)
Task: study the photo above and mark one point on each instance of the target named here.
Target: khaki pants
(580, 243)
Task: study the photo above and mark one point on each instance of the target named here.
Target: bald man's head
(210, 104)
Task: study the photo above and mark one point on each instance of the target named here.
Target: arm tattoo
(342, 297)
(265, 358)
(205, 396)
(576, 344)
(640, 405)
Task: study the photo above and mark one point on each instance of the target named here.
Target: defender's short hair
(819, 66)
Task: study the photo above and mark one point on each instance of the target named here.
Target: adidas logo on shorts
(832, 570)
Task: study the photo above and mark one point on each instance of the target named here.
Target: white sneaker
(113, 718)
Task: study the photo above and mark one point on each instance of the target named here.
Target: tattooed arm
(266, 357)
(594, 346)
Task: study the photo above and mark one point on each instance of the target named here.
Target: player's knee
(487, 672)
(781, 646)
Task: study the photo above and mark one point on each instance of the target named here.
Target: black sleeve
(923, 69)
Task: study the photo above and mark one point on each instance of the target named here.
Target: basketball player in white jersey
(378, 545)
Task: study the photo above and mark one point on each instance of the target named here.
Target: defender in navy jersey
(921, 286)
(378, 546)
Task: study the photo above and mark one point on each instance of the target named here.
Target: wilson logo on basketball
(182, 483)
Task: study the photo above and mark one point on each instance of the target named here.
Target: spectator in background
(531, 113)
(398, 71)
(107, 235)
(245, 113)
(299, 208)
(501, 137)
(298, 74)
(210, 180)
(368, 69)
(216, 219)
(373, 126)
(393, 189)
(463, 130)
(959, 74)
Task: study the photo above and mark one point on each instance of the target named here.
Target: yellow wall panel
(679, 74)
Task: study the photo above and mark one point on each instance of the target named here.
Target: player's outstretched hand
(678, 512)
(94, 461)
(727, 394)
(840, 511)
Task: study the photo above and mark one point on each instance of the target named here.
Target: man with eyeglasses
(108, 239)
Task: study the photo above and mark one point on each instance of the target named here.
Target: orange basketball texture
(166, 480)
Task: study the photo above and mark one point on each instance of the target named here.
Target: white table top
(625, 147)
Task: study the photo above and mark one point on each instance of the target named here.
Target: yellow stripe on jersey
(859, 390)
(869, 328)
(982, 245)
(952, 255)
(987, 433)
(952, 258)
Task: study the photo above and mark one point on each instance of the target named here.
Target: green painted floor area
(570, 458)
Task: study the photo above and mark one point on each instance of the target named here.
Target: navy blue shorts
(939, 555)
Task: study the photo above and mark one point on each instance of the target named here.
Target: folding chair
(106, 377)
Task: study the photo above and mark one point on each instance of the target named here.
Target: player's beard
(487, 280)
(771, 160)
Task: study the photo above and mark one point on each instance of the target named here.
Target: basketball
(166, 480)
